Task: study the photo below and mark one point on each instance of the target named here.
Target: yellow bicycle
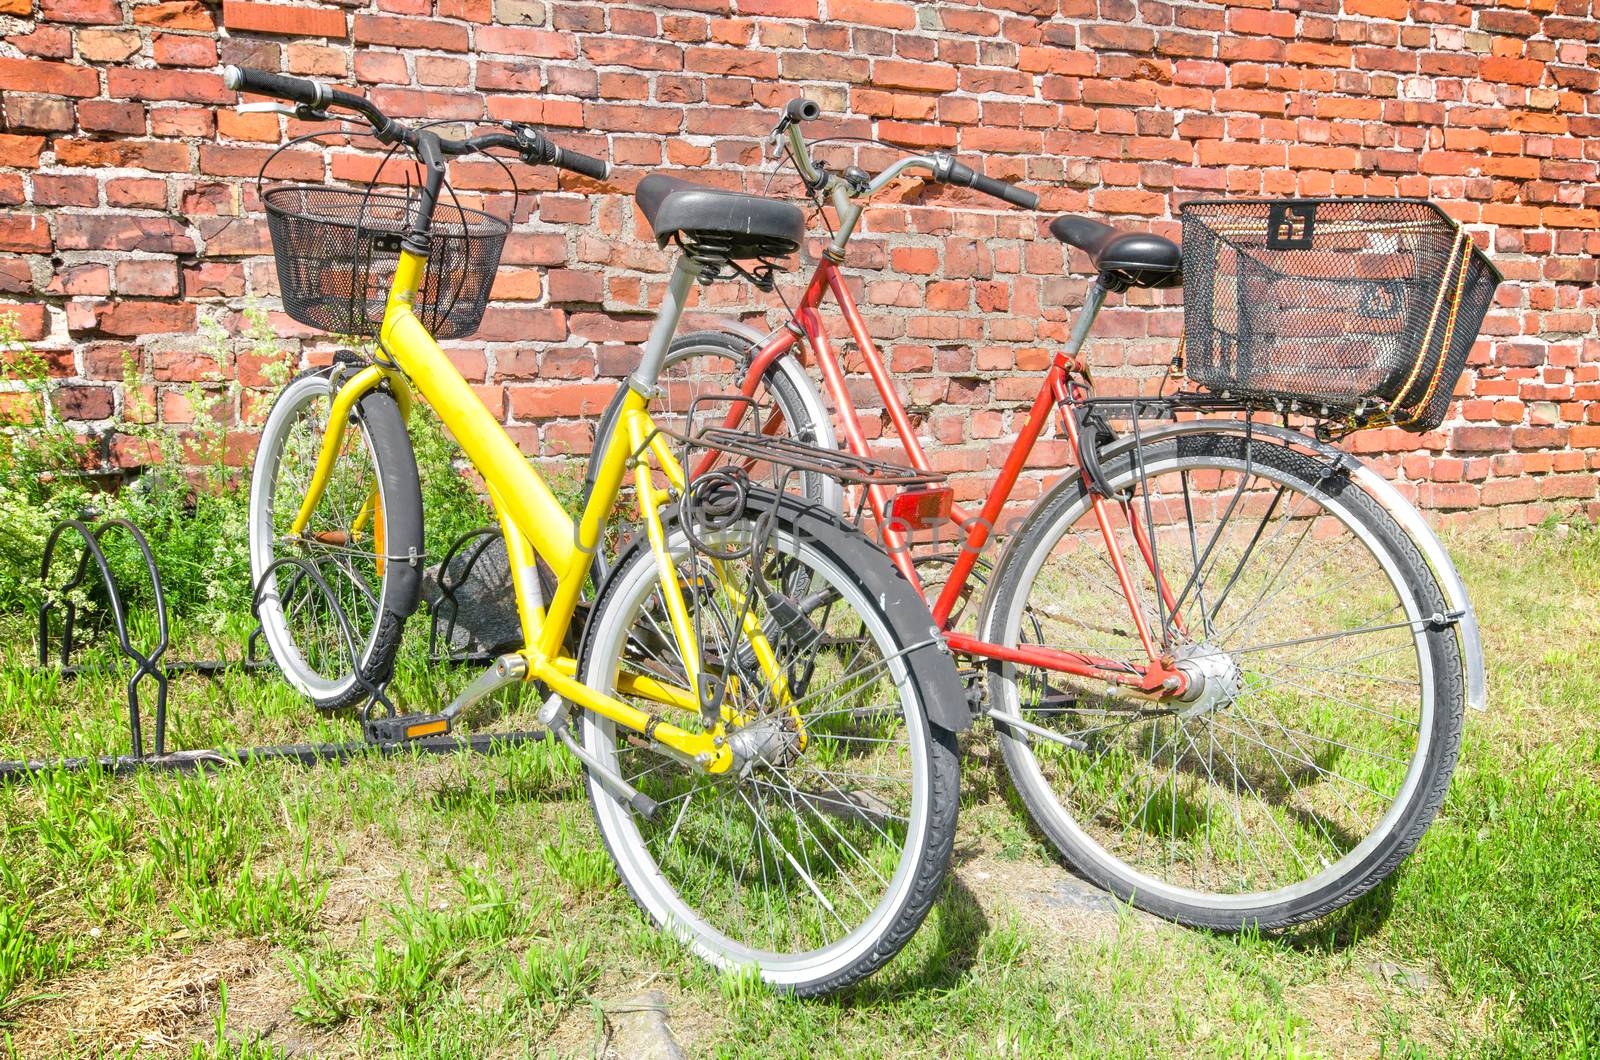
(764, 711)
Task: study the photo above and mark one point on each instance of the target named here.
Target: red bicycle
(1225, 660)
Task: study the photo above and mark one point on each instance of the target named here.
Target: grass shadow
(944, 950)
(1343, 928)
(461, 795)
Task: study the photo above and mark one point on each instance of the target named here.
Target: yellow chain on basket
(1460, 260)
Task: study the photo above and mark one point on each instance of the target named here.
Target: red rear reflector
(923, 508)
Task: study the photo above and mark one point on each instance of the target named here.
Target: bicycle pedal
(404, 727)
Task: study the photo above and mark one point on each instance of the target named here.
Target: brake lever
(300, 111)
(265, 108)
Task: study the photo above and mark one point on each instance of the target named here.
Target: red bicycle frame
(1061, 388)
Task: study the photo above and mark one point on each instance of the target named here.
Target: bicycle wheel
(812, 862)
(371, 509)
(1327, 722)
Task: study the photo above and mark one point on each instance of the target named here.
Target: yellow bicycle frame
(534, 522)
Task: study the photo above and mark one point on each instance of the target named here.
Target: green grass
(465, 907)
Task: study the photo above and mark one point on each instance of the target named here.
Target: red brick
(508, 76)
(318, 61)
(107, 12)
(411, 33)
(922, 77)
(1314, 54)
(1255, 21)
(633, 53)
(1118, 38)
(110, 232)
(167, 84)
(53, 189)
(568, 399)
(16, 277)
(175, 14)
(1396, 10)
(21, 151)
(32, 319)
(157, 155)
(535, 43)
(136, 191)
(25, 233)
(57, 79)
(213, 279)
(174, 122)
(467, 10)
(151, 278)
(45, 42)
(406, 103)
(502, 324)
(567, 285)
(890, 14)
(184, 49)
(84, 402)
(107, 45)
(296, 20)
(1512, 71)
(742, 62)
(134, 319)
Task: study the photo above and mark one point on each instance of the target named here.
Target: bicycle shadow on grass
(536, 772)
(1331, 934)
(1342, 929)
(938, 957)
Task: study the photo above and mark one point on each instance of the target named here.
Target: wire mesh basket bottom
(337, 249)
(1364, 306)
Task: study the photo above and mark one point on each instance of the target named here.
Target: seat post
(1091, 309)
(643, 380)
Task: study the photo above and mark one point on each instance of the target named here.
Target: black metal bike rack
(151, 669)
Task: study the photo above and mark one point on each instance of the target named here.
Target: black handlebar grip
(581, 164)
(266, 83)
(802, 109)
(537, 150)
(1008, 192)
(967, 177)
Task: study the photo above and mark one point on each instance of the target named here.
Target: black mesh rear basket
(1363, 309)
(337, 248)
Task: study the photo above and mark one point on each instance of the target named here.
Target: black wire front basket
(1361, 309)
(337, 249)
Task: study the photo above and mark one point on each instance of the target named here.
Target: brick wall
(128, 215)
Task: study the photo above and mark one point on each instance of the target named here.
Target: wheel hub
(1215, 679)
(765, 740)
